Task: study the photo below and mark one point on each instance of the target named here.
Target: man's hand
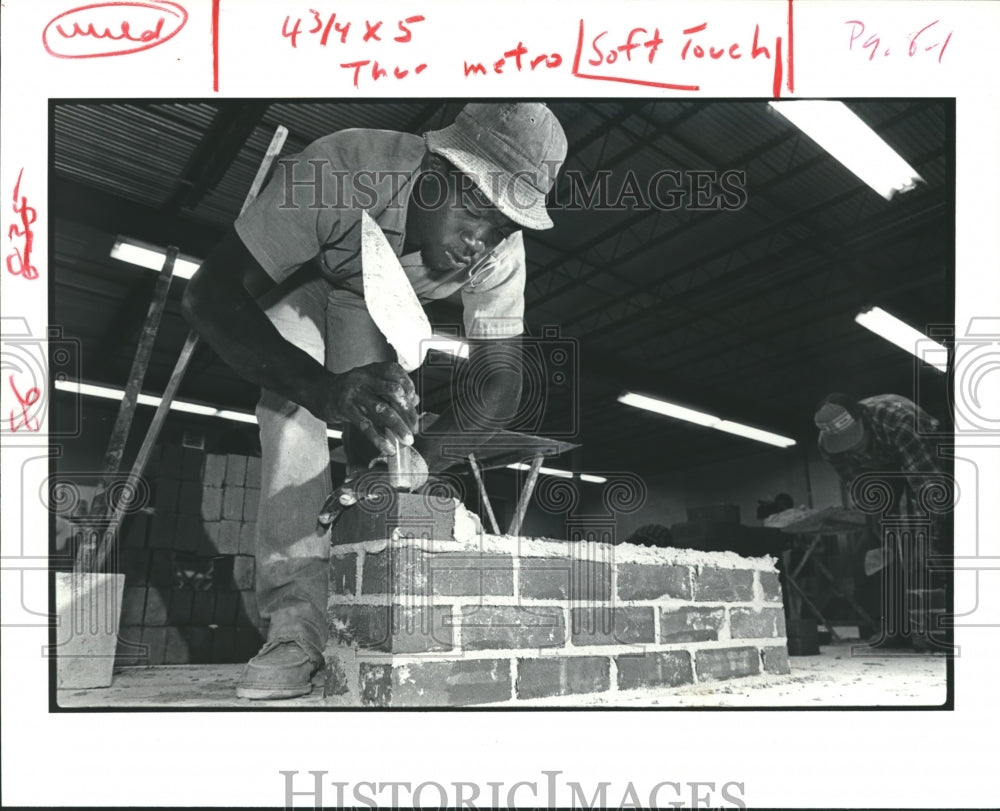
(379, 399)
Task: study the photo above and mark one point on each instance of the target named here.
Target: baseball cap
(511, 151)
(839, 431)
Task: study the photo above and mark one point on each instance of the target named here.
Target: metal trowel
(396, 311)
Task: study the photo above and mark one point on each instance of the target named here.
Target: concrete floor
(836, 678)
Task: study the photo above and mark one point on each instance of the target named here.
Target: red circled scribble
(19, 259)
(32, 396)
(112, 29)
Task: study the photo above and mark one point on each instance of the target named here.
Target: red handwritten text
(626, 56)
(26, 401)
(19, 259)
(341, 31)
(332, 29)
(112, 29)
(924, 40)
(379, 72)
(552, 60)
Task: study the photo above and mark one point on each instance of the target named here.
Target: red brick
(472, 575)
(133, 605)
(770, 586)
(415, 516)
(176, 648)
(776, 660)
(661, 669)
(343, 574)
(745, 623)
(157, 602)
(690, 624)
(584, 581)
(253, 478)
(243, 572)
(251, 503)
(395, 570)
(540, 678)
(210, 508)
(236, 470)
(232, 503)
(192, 464)
(638, 581)
(166, 495)
(620, 625)
(393, 629)
(248, 538)
(488, 627)
(726, 663)
(181, 602)
(435, 684)
(134, 531)
(155, 640)
(229, 538)
(215, 470)
(723, 585)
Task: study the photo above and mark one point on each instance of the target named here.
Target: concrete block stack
(420, 619)
(189, 562)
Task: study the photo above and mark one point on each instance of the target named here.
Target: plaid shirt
(898, 442)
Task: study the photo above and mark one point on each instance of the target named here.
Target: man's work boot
(282, 669)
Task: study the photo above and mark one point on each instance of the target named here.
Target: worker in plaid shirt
(885, 444)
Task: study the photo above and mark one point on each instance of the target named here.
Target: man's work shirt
(898, 442)
(310, 211)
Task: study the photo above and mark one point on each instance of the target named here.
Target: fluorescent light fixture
(904, 336)
(703, 419)
(588, 477)
(548, 471)
(833, 126)
(109, 393)
(149, 256)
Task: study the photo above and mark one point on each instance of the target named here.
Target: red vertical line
(776, 87)
(215, 45)
(579, 50)
(946, 41)
(790, 84)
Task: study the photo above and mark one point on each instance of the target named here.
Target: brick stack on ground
(423, 620)
(189, 562)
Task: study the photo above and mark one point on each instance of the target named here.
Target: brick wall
(188, 562)
(417, 621)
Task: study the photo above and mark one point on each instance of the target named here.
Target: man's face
(456, 225)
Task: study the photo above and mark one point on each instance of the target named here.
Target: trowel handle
(335, 504)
